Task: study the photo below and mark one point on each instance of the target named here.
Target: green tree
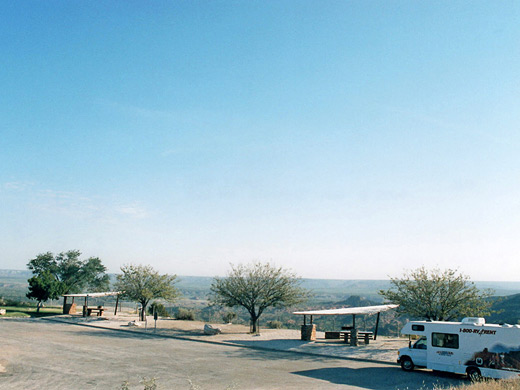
(43, 287)
(93, 275)
(437, 295)
(71, 275)
(141, 283)
(257, 287)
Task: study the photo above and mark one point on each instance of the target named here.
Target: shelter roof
(348, 310)
(94, 295)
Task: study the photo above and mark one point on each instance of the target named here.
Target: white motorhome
(469, 347)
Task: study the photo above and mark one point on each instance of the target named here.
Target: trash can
(69, 308)
(309, 332)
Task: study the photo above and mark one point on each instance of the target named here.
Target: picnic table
(346, 332)
(99, 310)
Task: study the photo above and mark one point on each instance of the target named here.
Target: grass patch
(22, 311)
(490, 384)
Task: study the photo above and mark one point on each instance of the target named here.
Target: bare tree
(141, 283)
(437, 295)
(257, 287)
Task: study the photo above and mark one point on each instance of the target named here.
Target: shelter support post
(377, 326)
(353, 337)
(117, 302)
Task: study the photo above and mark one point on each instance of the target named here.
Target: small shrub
(149, 383)
(185, 314)
(274, 324)
(229, 317)
(161, 310)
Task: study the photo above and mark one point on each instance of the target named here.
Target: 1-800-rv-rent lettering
(469, 347)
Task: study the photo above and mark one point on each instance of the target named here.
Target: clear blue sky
(341, 139)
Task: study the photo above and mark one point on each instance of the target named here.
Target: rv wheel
(407, 364)
(474, 374)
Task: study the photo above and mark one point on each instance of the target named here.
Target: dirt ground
(384, 349)
(82, 354)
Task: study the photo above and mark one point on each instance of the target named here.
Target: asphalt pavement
(41, 354)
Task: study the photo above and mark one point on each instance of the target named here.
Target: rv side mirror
(409, 343)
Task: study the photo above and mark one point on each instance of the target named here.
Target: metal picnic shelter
(70, 308)
(353, 311)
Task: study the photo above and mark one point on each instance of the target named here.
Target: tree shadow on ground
(264, 354)
(306, 348)
(28, 312)
(383, 378)
(112, 333)
(142, 333)
(235, 350)
(180, 332)
(276, 344)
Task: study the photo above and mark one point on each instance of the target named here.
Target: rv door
(444, 352)
(419, 352)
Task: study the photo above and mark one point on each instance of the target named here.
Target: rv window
(445, 340)
(420, 344)
(419, 328)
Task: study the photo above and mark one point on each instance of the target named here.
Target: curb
(224, 343)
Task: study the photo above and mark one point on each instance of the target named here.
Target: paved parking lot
(39, 354)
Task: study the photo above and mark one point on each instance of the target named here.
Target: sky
(337, 139)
